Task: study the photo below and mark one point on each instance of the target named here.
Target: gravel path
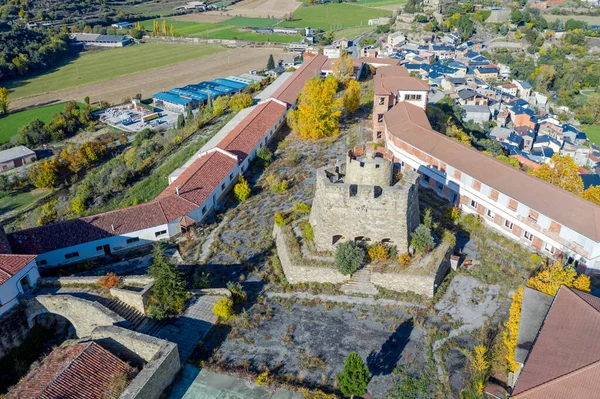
(343, 299)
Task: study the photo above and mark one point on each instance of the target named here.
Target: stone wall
(83, 314)
(345, 212)
(299, 273)
(13, 329)
(161, 360)
(135, 299)
(141, 281)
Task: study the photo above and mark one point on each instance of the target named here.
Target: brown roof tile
(565, 359)
(409, 123)
(377, 60)
(12, 264)
(79, 371)
(245, 136)
(393, 70)
(391, 84)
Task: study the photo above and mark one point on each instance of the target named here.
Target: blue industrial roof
(171, 98)
(192, 94)
(230, 83)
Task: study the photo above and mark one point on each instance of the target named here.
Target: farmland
(10, 124)
(326, 15)
(107, 64)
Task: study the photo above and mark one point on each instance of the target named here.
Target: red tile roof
(377, 60)
(565, 359)
(288, 92)
(409, 123)
(12, 264)
(393, 70)
(391, 84)
(79, 371)
(198, 181)
(246, 136)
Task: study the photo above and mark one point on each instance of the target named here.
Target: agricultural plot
(327, 15)
(108, 64)
(11, 123)
(245, 22)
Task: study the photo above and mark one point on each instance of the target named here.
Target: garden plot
(308, 342)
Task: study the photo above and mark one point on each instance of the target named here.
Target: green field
(351, 33)
(593, 133)
(18, 201)
(224, 30)
(244, 22)
(380, 3)
(107, 64)
(339, 15)
(11, 123)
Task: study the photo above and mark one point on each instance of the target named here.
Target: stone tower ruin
(359, 200)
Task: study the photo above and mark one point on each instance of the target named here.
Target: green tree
(168, 293)
(48, 213)
(220, 105)
(78, 205)
(349, 257)
(421, 239)
(4, 101)
(241, 101)
(271, 62)
(355, 377)
(265, 154)
(180, 121)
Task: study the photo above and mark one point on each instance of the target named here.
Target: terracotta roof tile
(377, 60)
(409, 123)
(311, 68)
(246, 136)
(391, 84)
(565, 359)
(79, 371)
(12, 264)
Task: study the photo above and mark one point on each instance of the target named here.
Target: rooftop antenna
(177, 189)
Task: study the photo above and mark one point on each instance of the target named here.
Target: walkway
(196, 384)
(192, 326)
(344, 299)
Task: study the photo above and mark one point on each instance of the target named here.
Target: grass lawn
(107, 64)
(325, 15)
(351, 33)
(593, 133)
(10, 124)
(245, 22)
(380, 3)
(17, 201)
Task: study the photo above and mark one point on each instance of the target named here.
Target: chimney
(112, 226)
(177, 189)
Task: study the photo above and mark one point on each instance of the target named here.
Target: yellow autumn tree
(592, 194)
(481, 366)
(318, 112)
(343, 68)
(164, 27)
(156, 28)
(512, 329)
(352, 96)
(171, 30)
(562, 172)
(4, 101)
(459, 135)
(552, 277)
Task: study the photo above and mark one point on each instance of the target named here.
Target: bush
(277, 184)
(279, 219)
(421, 239)
(223, 309)
(242, 190)
(111, 280)
(307, 230)
(237, 293)
(265, 154)
(449, 238)
(263, 379)
(349, 258)
(301, 207)
(377, 252)
(404, 259)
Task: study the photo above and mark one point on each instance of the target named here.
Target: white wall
(10, 290)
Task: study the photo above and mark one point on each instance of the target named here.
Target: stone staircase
(139, 322)
(360, 283)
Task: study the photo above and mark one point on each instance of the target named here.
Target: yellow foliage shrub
(223, 309)
(552, 277)
(404, 259)
(512, 329)
(377, 252)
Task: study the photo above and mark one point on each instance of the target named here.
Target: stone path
(192, 326)
(343, 299)
(360, 283)
(210, 239)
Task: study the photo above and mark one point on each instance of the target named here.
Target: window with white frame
(381, 100)
(160, 233)
(473, 204)
(490, 214)
(548, 248)
(508, 224)
(528, 236)
(132, 240)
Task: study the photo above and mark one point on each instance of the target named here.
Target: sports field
(11, 123)
(108, 64)
(593, 133)
(340, 15)
(228, 29)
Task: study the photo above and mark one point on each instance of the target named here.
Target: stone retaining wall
(135, 299)
(161, 360)
(13, 329)
(141, 281)
(303, 274)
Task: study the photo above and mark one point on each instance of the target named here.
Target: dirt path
(259, 8)
(233, 62)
